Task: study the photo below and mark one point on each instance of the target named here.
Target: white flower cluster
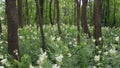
(55, 66)
(112, 51)
(59, 58)
(41, 59)
(97, 58)
(117, 38)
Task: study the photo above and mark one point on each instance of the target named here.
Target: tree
(39, 6)
(97, 22)
(50, 14)
(84, 20)
(27, 20)
(20, 20)
(0, 27)
(12, 22)
(58, 16)
(78, 19)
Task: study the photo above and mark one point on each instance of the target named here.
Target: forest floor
(62, 51)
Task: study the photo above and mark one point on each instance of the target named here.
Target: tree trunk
(78, 20)
(12, 22)
(20, 20)
(50, 14)
(58, 16)
(40, 21)
(0, 27)
(27, 13)
(97, 22)
(84, 20)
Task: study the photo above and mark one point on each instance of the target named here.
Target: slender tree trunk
(108, 12)
(27, 12)
(50, 13)
(114, 17)
(97, 22)
(20, 20)
(40, 20)
(78, 20)
(54, 12)
(0, 27)
(75, 8)
(12, 22)
(84, 20)
(58, 16)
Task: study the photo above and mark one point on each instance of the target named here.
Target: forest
(59, 34)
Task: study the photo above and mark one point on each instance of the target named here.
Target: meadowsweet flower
(1, 66)
(1, 42)
(99, 52)
(31, 66)
(97, 58)
(21, 37)
(70, 42)
(69, 54)
(59, 58)
(42, 57)
(4, 61)
(117, 38)
(55, 66)
(53, 38)
(112, 51)
(100, 38)
(106, 53)
(58, 39)
(94, 67)
(93, 40)
(1, 56)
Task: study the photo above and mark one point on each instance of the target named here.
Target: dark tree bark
(97, 22)
(20, 20)
(54, 12)
(58, 16)
(84, 20)
(12, 22)
(114, 17)
(50, 13)
(107, 12)
(27, 12)
(78, 20)
(90, 12)
(40, 21)
(0, 27)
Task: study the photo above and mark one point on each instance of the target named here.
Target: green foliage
(62, 50)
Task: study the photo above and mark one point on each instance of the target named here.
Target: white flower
(31, 66)
(106, 53)
(1, 56)
(1, 42)
(59, 58)
(99, 52)
(69, 54)
(53, 38)
(93, 40)
(4, 61)
(100, 38)
(42, 57)
(94, 67)
(112, 51)
(117, 38)
(1, 66)
(70, 42)
(55, 66)
(97, 58)
(58, 39)
(21, 37)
